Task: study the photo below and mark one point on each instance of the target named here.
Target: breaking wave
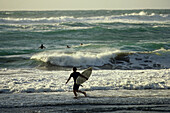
(106, 60)
(127, 17)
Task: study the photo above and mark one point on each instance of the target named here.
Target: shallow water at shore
(97, 101)
(42, 91)
(35, 80)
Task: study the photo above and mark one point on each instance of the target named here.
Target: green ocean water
(127, 49)
(112, 39)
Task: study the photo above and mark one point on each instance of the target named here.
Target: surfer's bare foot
(75, 97)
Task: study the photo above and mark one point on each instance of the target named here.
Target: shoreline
(97, 101)
(35, 91)
(17, 81)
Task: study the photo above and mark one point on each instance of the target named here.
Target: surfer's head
(74, 69)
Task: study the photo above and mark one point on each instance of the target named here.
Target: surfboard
(86, 73)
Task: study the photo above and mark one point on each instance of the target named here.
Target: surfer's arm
(83, 76)
(68, 79)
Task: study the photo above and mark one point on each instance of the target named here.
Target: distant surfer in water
(42, 46)
(68, 46)
(76, 86)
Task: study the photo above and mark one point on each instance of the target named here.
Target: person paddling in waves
(42, 46)
(76, 86)
(68, 46)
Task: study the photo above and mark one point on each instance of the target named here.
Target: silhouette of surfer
(42, 46)
(68, 46)
(76, 86)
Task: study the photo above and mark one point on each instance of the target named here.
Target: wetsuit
(75, 75)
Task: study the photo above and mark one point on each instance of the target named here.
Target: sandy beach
(119, 101)
(43, 91)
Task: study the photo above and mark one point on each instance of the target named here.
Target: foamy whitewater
(129, 51)
(33, 81)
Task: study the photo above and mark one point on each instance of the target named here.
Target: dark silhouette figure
(42, 46)
(68, 46)
(76, 86)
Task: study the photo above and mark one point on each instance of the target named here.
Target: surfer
(68, 46)
(42, 46)
(76, 86)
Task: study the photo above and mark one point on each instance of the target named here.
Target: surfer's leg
(74, 91)
(83, 93)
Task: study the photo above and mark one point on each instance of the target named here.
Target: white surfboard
(85, 73)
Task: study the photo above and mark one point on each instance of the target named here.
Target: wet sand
(119, 101)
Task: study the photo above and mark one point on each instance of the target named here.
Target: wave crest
(142, 13)
(112, 18)
(74, 59)
(107, 60)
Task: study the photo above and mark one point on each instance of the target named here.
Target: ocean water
(112, 39)
(129, 51)
(125, 40)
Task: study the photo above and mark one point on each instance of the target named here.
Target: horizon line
(82, 9)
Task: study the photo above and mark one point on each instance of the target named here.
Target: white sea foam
(146, 60)
(142, 13)
(75, 58)
(33, 80)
